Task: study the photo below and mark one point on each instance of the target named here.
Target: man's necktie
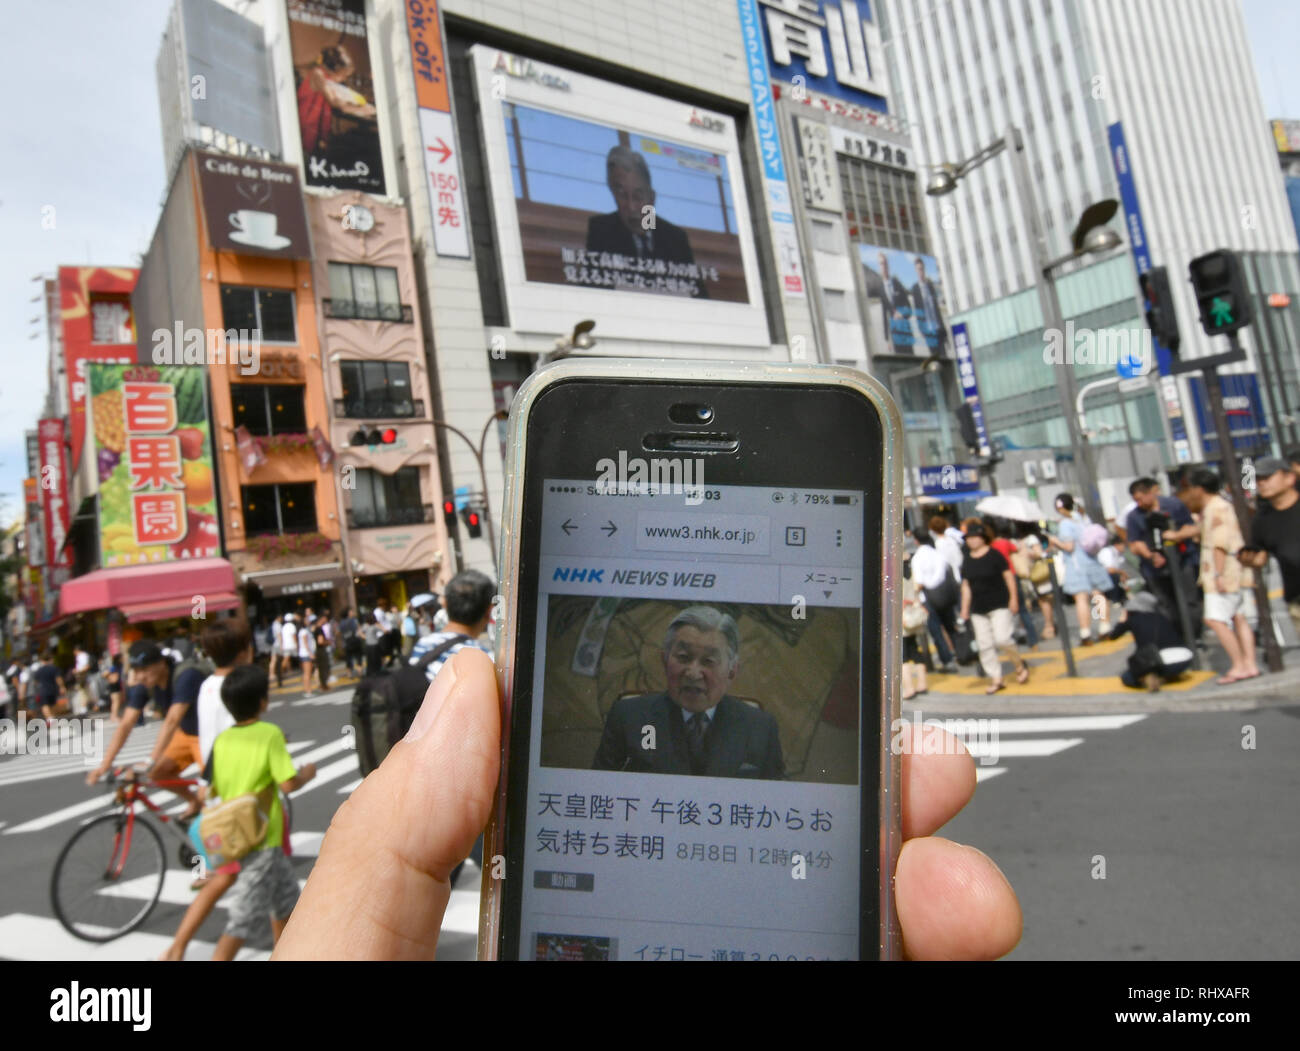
(695, 731)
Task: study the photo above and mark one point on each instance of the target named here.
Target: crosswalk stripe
(351, 787)
(77, 766)
(329, 772)
(333, 697)
(324, 751)
(984, 773)
(27, 937)
(1021, 749)
(175, 889)
(1048, 724)
(306, 844)
(66, 813)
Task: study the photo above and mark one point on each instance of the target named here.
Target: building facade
(240, 282)
(377, 389)
(1078, 82)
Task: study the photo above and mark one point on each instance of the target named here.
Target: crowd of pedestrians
(1168, 560)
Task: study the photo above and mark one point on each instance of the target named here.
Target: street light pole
(1052, 319)
(477, 450)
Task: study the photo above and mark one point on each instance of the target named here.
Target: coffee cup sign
(252, 207)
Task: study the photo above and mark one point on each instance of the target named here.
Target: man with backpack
(384, 704)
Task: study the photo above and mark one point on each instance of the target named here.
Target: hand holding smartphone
(699, 663)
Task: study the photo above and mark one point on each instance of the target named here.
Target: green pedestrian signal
(1222, 294)
(1220, 312)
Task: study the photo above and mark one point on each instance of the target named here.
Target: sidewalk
(1098, 687)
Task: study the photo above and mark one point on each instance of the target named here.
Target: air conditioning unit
(1031, 472)
(1048, 469)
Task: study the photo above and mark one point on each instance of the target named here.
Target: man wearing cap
(177, 690)
(1276, 529)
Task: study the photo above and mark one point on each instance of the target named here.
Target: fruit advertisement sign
(153, 455)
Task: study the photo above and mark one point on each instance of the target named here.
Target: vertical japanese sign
(35, 529)
(1137, 240)
(157, 500)
(970, 390)
(785, 239)
(54, 490)
(94, 312)
(437, 129)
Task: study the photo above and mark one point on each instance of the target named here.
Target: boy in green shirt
(248, 758)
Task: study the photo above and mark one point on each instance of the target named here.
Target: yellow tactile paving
(1048, 678)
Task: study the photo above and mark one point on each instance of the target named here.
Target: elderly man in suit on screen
(693, 727)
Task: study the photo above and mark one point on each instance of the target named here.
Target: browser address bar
(703, 533)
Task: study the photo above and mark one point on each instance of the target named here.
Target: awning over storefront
(153, 592)
(298, 582)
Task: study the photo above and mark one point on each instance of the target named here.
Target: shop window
(387, 499)
(367, 292)
(278, 509)
(268, 311)
(267, 409)
(376, 390)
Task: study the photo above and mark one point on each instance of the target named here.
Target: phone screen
(697, 783)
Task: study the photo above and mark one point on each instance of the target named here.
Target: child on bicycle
(248, 758)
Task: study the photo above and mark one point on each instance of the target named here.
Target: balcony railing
(367, 518)
(351, 309)
(378, 408)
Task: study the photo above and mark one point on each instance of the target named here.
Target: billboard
(1244, 409)
(153, 457)
(252, 207)
(335, 89)
(905, 306)
(54, 490)
(97, 322)
(437, 130)
(35, 527)
(832, 47)
(622, 199)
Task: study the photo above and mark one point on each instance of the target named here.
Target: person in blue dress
(1086, 580)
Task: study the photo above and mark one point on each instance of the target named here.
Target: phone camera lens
(690, 414)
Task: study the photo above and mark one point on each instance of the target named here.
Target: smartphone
(699, 659)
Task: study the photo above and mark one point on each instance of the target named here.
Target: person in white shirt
(946, 544)
(277, 650)
(227, 643)
(306, 652)
(288, 643)
(940, 586)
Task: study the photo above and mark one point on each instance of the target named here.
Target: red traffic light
(448, 507)
(389, 436)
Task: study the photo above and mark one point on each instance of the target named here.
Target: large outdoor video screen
(609, 201)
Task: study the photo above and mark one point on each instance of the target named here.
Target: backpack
(1093, 539)
(236, 827)
(384, 706)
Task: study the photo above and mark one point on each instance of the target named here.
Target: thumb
(380, 886)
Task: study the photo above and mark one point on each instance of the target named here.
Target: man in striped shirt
(467, 600)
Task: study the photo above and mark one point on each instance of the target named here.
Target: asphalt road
(1196, 835)
(43, 799)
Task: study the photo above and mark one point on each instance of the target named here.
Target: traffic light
(1159, 305)
(473, 523)
(449, 516)
(1221, 292)
(966, 425)
(374, 436)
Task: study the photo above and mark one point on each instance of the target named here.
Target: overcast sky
(80, 132)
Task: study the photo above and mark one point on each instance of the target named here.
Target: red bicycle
(109, 875)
